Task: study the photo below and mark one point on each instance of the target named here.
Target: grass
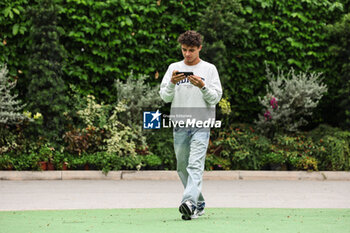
(167, 220)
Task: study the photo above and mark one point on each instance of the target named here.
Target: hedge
(106, 40)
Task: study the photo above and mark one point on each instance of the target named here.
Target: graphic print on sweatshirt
(186, 80)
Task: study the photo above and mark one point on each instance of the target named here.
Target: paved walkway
(97, 194)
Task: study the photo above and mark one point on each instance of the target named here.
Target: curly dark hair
(190, 38)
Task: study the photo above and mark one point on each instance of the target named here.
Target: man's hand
(175, 78)
(196, 80)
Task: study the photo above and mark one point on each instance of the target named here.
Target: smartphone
(185, 73)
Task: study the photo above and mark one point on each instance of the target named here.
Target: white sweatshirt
(184, 94)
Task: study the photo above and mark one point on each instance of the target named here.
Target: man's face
(191, 54)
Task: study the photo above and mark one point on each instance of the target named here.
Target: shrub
(137, 96)
(46, 153)
(151, 161)
(295, 152)
(305, 163)
(46, 90)
(19, 139)
(9, 106)
(275, 160)
(6, 162)
(222, 30)
(118, 138)
(87, 140)
(106, 161)
(122, 139)
(14, 137)
(25, 161)
(91, 113)
(238, 147)
(335, 148)
(161, 143)
(335, 156)
(59, 159)
(87, 134)
(290, 99)
(225, 111)
(339, 35)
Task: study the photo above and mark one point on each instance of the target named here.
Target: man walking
(191, 85)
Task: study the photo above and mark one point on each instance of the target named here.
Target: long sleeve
(213, 92)
(167, 88)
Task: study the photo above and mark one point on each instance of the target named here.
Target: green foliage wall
(283, 33)
(105, 40)
(340, 47)
(14, 36)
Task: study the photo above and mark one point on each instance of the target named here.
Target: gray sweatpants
(190, 146)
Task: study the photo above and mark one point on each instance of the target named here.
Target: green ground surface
(168, 221)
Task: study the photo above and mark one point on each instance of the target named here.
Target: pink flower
(267, 115)
(274, 103)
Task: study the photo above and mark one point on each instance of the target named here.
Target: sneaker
(199, 211)
(187, 210)
(186, 217)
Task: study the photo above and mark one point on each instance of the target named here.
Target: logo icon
(151, 120)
